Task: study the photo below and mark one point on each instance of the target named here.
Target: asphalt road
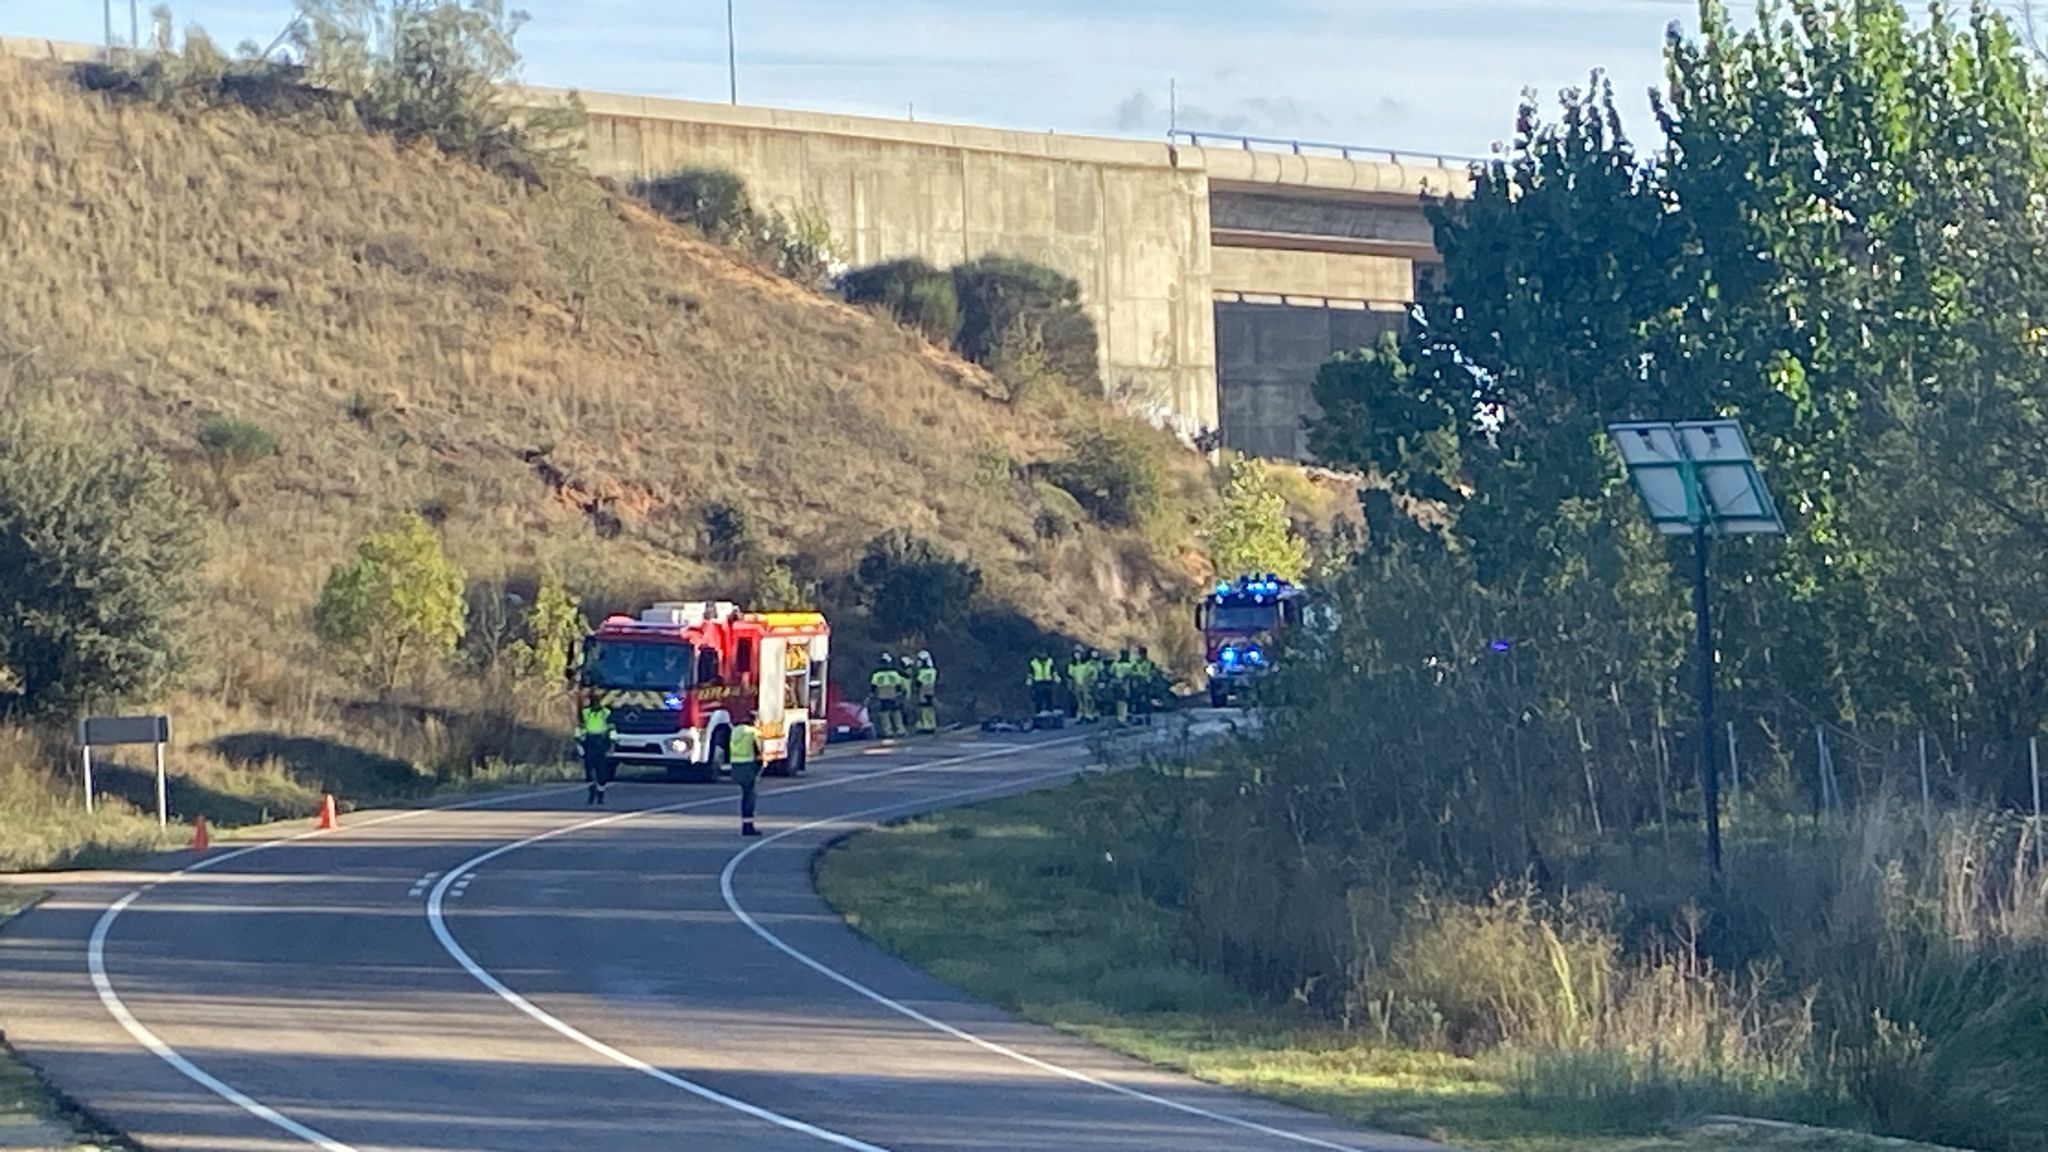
(524, 973)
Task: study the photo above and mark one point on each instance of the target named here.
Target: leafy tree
(396, 606)
(99, 558)
(554, 623)
(232, 447)
(997, 294)
(436, 70)
(714, 201)
(1250, 532)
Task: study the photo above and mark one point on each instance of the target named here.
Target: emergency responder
(594, 735)
(888, 685)
(1073, 700)
(744, 752)
(926, 683)
(1044, 682)
(1122, 680)
(1082, 674)
(1144, 685)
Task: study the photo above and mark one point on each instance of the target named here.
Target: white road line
(96, 965)
(437, 920)
(732, 904)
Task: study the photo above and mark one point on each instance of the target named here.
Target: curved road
(523, 973)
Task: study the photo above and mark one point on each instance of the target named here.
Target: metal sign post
(1697, 478)
(105, 730)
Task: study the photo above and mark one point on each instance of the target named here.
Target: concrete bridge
(1222, 272)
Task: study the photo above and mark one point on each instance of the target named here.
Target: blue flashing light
(673, 702)
(1503, 645)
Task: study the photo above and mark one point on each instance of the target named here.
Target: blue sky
(1426, 75)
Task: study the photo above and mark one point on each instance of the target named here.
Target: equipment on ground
(1241, 622)
(679, 676)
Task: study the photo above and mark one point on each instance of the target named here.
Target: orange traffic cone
(328, 820)
(200, 841)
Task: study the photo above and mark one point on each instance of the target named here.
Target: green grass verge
(39, 831)
(993, 900)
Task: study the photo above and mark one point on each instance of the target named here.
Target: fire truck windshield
(1246, 618)
(638, 665)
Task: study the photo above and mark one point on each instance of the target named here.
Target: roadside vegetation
(402, 399)
(1465, 845)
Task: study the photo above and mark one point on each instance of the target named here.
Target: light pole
(732, 55)
(1698, 479)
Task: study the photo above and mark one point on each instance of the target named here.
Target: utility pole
(732, 55)
(107, 10)
(1172, 107)
(134, 27)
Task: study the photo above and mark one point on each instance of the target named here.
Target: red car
(847, 719)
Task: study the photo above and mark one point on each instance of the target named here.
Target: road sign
(106, 731)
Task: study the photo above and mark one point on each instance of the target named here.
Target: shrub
(799, 246)
(436, 70)
(918, 295)
(1019, 359)
(98, 558)
(398, 604)
(232, 447)
(714, 201)
(1112, 474)
(912, 586)
(995, 293)
(728, 533)
(553, 624)
(1250, 531)
(776, 589)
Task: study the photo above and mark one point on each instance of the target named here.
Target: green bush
(997, 293)
(1113, 474)
(554, 623)
(232, 447)
(918, 295)
(396, 606)
(99, 555)
(1250, 532)
(914, 587)
(728, 532)
(714, 201)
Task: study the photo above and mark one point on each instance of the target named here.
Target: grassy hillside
(554, 376)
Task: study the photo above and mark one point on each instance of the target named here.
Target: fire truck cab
(1240, 622)
(680, 675)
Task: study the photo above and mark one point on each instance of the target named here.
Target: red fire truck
(678, 677)
(1240, 622)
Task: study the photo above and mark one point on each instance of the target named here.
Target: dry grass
(556, 376)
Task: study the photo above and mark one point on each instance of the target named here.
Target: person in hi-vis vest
(745, 753)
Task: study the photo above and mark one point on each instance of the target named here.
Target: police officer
(925, 683)
(1122, 676)
(888, 685)
(594, 735)
(744, 752)
(1044, 682)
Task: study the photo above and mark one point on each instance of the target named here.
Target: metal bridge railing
(1196, 137)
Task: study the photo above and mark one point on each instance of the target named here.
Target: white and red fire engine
(679, 677)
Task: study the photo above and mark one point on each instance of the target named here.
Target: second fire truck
(680, 675)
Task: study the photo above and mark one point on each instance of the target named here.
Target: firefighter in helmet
(925, 684)
(1082, 677)
(1146, 692)
(887, 685)
(1123, 684)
